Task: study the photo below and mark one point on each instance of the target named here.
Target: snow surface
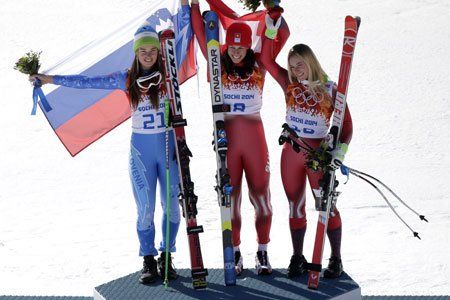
(68, 224)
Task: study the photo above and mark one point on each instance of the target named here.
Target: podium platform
(248, 286)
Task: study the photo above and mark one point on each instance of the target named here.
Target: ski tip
(422, 217)
(416, 234)
(358, 21)
(351, 19)
(166, 34)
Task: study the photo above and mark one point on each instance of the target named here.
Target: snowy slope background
(68, 224)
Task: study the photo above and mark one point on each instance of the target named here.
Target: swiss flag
(255, 20)
(237, 38)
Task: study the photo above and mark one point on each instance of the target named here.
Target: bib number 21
(154, 121)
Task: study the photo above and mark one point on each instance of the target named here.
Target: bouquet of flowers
(251, 4)
(254, 4)
(29, 63)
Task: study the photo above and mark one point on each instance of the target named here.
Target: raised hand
(44, 79)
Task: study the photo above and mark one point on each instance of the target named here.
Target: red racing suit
(247, 148)
(310, 116)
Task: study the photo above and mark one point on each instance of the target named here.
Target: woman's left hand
(42, 77)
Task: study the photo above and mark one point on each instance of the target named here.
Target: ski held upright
(223, 187)
(327, 192)
(187, 198)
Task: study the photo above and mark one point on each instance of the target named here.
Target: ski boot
(262, 263)
(238, 263)
(149, 274)
(334, 269)
(297, 266)
(172, 274)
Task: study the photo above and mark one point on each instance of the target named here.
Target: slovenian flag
(79, 117)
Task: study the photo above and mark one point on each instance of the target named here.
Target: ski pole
(416, 234)
(166, 263)
(422, 217)
(288, 135)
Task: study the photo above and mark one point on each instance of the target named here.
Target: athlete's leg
(334, 233)
(293, 175)
(235, 169)
(334, 228)
(143, 174)
(257, 174)
(174, 217)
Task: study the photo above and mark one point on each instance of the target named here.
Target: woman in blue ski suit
(145, 87)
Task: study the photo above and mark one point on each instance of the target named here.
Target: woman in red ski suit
(309, 97)
(243, 80)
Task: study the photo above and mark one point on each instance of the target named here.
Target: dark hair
(247, 67)
(134, 92)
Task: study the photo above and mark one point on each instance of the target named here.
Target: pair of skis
(223, 187)
(187, 198)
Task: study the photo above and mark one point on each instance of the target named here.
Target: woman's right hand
(42, 77)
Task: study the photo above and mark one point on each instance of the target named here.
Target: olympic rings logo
(303, 97)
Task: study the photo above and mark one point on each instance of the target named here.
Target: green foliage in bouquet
(254, 4)
(251, 4)
(319, 159)
(29, 63)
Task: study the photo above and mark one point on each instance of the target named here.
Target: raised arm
(219, 6)
(267, 60)
(281, 38)
(114, 81)
(226, 12)
(198, 26)
(183, 16)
